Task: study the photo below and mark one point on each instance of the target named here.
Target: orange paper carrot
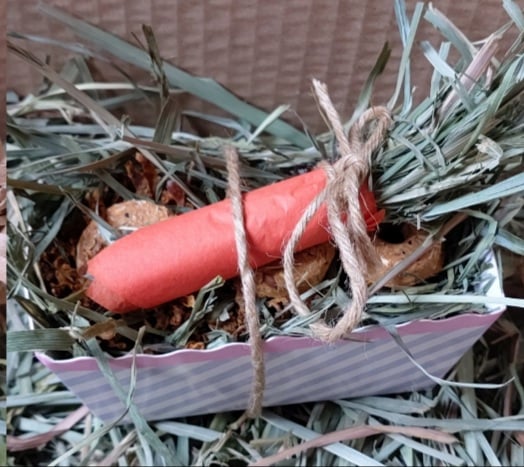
(178, 256)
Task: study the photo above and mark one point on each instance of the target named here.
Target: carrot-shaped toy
(181, 254)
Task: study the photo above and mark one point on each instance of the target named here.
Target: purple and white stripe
(191, 382)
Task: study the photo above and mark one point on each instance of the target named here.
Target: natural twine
(341, 196)
(247, 279)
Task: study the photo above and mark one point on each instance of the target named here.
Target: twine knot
(346, 221)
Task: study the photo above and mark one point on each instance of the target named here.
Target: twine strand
(341, 195)
(247, 278)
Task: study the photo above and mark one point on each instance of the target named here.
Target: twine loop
(345, 218)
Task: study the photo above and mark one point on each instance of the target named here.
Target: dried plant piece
(159, 318)
(117, 343)
(391, 253)
(178, 316)
(233, 321)
(188, 301)
(143, 175)
(58, 269)
(105, 330)
(311, 266)
(125, 215)
(66, 277)
(149, 171)
(173, 193)
(195, 345)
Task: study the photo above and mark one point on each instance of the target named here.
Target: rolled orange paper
(179, 255)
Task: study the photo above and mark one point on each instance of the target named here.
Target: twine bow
(341, 196)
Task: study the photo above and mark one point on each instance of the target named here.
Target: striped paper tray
(298, 369)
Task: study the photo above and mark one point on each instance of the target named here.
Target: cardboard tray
(191, 382)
